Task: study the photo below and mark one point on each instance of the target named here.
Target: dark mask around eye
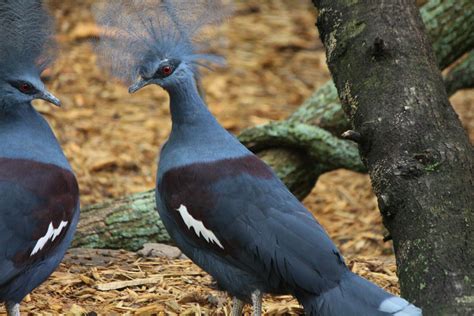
(24, 87)
(166, 68)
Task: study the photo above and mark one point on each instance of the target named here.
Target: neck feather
(186, 105)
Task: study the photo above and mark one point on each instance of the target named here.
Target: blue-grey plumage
(39, 198)
(222, 205)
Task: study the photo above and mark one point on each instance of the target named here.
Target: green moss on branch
(461, 76)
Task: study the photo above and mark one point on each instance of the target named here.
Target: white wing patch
(198, 226)
(52, 233)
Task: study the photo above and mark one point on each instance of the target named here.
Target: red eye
(25, 87)
(166, 70)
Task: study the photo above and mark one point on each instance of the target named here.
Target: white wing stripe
(198, 226)
(52, 233)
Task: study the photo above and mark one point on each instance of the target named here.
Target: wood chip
(123, 284)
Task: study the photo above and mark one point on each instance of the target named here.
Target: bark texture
(461, 76)
(125, 223)
(449, 25)
(419, 158)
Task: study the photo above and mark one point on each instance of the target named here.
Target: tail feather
(355, 296)
(398, 306)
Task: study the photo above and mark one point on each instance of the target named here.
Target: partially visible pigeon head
(27, 48)
(155, 41)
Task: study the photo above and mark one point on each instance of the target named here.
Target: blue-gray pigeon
(39, 199)
(223, 206)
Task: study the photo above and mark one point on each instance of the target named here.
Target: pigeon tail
(355, 296)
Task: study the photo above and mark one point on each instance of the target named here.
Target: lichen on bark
(419, 158)
(461, 76)
(125, 223)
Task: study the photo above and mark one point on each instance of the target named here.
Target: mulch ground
(274, 61)
(113, 282)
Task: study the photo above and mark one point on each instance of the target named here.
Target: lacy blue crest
(140, 33)
(26, 35)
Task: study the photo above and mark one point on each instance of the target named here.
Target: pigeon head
(164, 72)
(23, 85)
(155, 41)
(27, 48)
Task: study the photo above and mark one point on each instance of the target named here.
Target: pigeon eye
(166, 70)
(26, 87)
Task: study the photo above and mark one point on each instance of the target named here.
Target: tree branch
(125, 223)
(461, 76)
(329, 151)
(449, 27)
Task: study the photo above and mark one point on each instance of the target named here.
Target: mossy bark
(125, 223)
(419, 158)
(461, 76)
(449, 25)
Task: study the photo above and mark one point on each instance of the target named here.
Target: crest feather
(26, 35)
(138, 32)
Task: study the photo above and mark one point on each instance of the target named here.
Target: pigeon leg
(237, 307)
(13, 309)
(257, 303)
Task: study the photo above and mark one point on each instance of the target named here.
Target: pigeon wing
(239, 209)
(37, 205)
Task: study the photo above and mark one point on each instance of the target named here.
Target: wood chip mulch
(113, 282)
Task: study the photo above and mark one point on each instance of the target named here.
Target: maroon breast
(191, 186)
(57, 193)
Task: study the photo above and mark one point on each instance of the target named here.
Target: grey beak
(48, 96)
(138, 85)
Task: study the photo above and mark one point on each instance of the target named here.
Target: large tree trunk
(418, 156)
